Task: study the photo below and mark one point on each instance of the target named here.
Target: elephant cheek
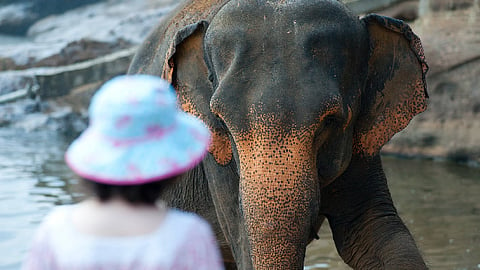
(279, 191)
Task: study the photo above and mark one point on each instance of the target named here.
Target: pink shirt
(183, 241)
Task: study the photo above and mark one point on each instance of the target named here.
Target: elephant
(300, 96)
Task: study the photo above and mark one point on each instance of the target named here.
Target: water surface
(33, 178)
(438, 202)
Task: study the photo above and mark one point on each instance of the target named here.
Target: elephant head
(294, 92)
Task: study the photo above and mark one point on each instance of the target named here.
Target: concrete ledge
(59, 81)
(19, 94)
(367, 6)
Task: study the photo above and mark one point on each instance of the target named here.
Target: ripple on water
(317, 266)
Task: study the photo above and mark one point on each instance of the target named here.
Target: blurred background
(54, 54)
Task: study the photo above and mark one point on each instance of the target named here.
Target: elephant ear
(395, 89)
(186, 70)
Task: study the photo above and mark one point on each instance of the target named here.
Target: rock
(66, 122)
(79, 98)
(16, 17)
(373, 6)
(32, 115)
(32, 122)
(10, 82)
(84, 33)
(55, 70)
(32, 108)
(439, 5)
(406, 11)
(61, 94)
(19, 114)
(74, 52)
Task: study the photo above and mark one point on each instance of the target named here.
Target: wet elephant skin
(300, 96)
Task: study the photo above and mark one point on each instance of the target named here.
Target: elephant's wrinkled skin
(300, 96)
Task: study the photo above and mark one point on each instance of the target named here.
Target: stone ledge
(51, 82)
(367, 6)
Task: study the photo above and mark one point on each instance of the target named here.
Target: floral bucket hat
(137, 134)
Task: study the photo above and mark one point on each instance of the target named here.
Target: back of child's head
(142, 194)
(137, 136)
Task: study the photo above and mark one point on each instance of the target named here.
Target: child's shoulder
(59, 214)
(56, 221)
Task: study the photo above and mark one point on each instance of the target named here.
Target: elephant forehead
(237, 14)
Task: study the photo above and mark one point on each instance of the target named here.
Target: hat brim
(100, 159)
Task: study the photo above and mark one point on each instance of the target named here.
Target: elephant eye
(211, 72)
(332, 121)
(212, 79)
(329, 120)
(220, 121)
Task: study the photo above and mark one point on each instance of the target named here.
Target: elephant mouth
(326, 173)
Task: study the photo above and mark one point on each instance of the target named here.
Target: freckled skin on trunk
(279, 195)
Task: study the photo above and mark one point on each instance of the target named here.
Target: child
(137, 141)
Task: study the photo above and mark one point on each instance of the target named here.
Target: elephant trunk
(279, 191)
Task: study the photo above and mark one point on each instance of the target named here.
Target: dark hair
(136, 194)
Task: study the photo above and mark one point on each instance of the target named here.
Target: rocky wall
(450, 127)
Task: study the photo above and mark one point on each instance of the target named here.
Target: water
(33, 178)
(438, 201)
